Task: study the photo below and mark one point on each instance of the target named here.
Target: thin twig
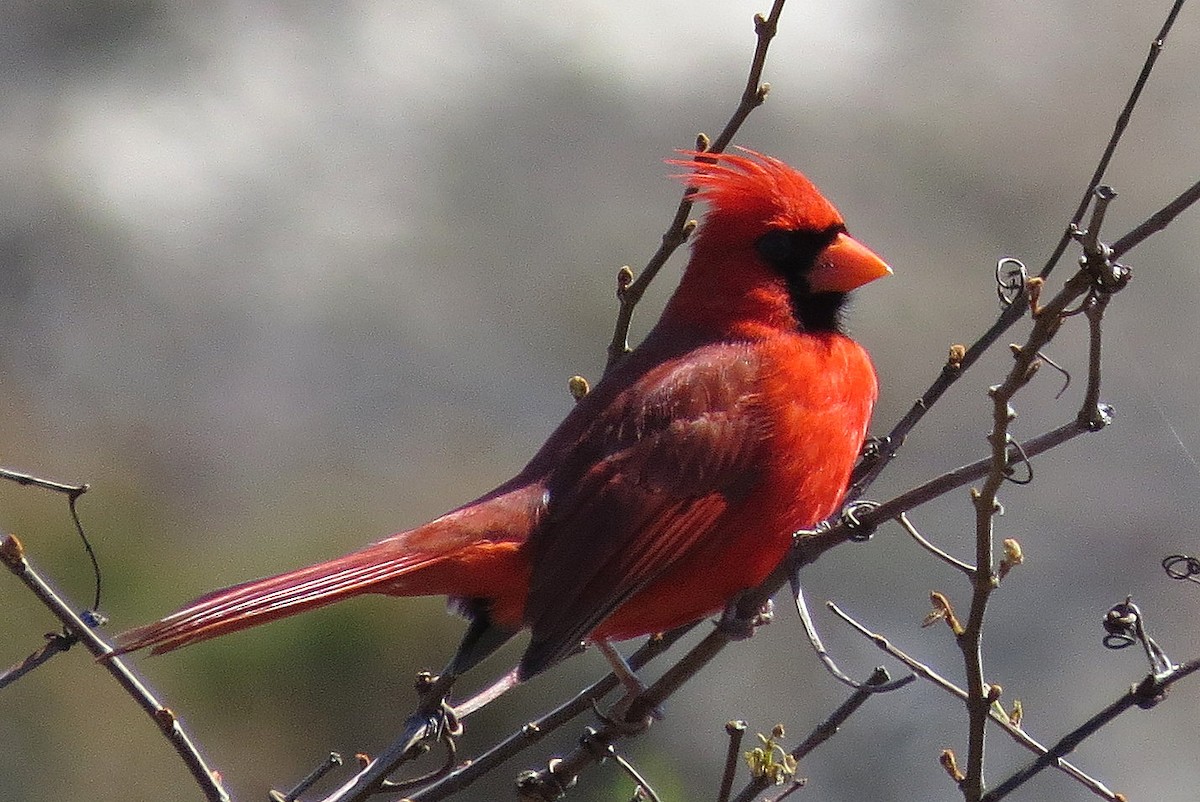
(733, 755)
(56, 643)
(1156, 48)
(814, 640)
(812, 544)
(332, 761)
(1157, 221)
(13, 555)
(631, 290)
(823, 731)
(869, 471)
(1145, 694)
(945, 557)
(636, 776)
(1091, 413)
(535, 731)
(30, 480)
(73, 492)
(997, 716)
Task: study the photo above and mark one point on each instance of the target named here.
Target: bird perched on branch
(672, 486)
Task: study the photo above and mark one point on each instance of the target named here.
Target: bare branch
(1156, 48)
(13, 556)
(535, 731)
(814, 640)
(56, 643)
(73, 492)
(867, 472)
(1157, 221)
(733, 754)
(1144, 694)
(823, 731)
(994, 713)
(950, 560)
(631, 290)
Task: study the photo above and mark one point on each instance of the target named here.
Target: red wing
(648, 480)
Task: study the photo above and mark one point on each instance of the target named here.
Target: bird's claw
(740, 627)
(617, 716)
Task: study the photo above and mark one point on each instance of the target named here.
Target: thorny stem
(630, 290)
(12, 554)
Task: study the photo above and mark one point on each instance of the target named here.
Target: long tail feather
(380, 567)
(473, 552)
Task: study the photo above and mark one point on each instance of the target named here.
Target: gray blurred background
(280, 279)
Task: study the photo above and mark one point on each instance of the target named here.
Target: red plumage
(676, 483)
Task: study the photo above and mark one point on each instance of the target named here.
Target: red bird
(675, 484)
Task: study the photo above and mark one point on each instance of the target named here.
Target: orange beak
(844, 265)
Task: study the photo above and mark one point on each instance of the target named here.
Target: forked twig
(826, 729)
(12, 554)
(996, 715)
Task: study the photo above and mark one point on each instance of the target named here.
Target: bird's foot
(618, 714)
(620, 717)
(740, 627)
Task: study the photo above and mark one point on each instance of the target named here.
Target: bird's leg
(634, 687)
(489, 694)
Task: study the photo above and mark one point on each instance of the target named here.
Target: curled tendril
(1019, 458)
(1182, 566)
(859, 532)
(1011, 277)
(1125, 626)
(1121, 625)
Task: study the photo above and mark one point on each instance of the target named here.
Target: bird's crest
(754, 191)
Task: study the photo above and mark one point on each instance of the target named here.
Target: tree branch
(12, 554)
(631, 290)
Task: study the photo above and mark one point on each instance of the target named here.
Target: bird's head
(771, 239)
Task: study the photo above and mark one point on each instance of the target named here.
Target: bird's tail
(372, 569)
(470, 553)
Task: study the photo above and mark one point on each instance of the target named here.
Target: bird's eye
(794, 251)
(775, 246)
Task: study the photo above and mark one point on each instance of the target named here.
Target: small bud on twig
(624, 279)
(1018, 712)
(578, 387)
(770, 761)
(950, 764)
(942, 611)
(1013, 556)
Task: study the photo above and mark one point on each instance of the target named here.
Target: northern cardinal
(675, 484)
